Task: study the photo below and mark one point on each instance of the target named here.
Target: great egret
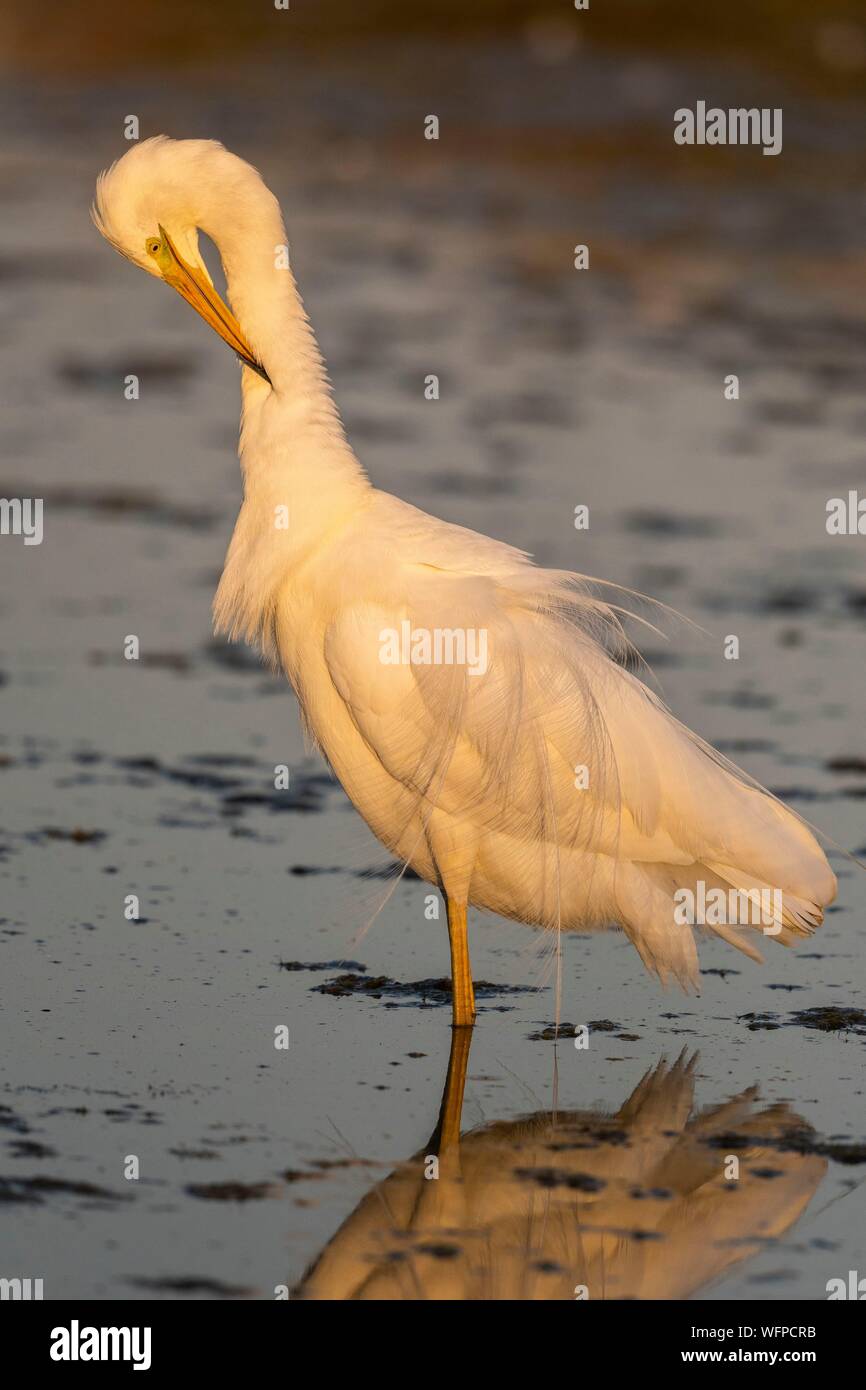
(472, 704)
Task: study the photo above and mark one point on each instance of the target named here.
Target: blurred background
(558, 388)
(820, 48)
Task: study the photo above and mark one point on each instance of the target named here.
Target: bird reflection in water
(580, 1204)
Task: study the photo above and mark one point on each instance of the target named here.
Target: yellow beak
(200, 293)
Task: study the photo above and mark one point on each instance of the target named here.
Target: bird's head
(150, 205)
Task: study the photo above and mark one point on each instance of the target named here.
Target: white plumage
(467, 775)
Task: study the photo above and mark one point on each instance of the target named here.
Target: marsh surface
(155, 1037)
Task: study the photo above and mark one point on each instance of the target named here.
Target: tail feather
(733, 938)
(794, 916)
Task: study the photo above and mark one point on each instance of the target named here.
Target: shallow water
(155, 1038)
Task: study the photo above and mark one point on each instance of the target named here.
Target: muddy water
(155, 1038)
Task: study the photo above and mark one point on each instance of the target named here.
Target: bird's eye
(152, 245)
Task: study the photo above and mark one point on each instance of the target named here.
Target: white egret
(453, 686)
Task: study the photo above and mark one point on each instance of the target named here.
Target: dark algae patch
(426, 992)
(550, 1032)
(828, 1019)
(293, 965)
(231, 1191)
(194, 1285)
(35, 1190)
(824, 1018)
(76, 836)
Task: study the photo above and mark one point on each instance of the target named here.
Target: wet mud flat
(153, 1037)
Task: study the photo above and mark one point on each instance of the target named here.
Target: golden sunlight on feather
(464, 766)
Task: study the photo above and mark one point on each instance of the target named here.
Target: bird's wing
(475, 737)
(497, 739)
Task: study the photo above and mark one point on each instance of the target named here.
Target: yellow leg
(463, 995)
(448, 1130)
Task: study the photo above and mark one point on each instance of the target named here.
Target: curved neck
(293, 449)
(264, 297)
(301, 479)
